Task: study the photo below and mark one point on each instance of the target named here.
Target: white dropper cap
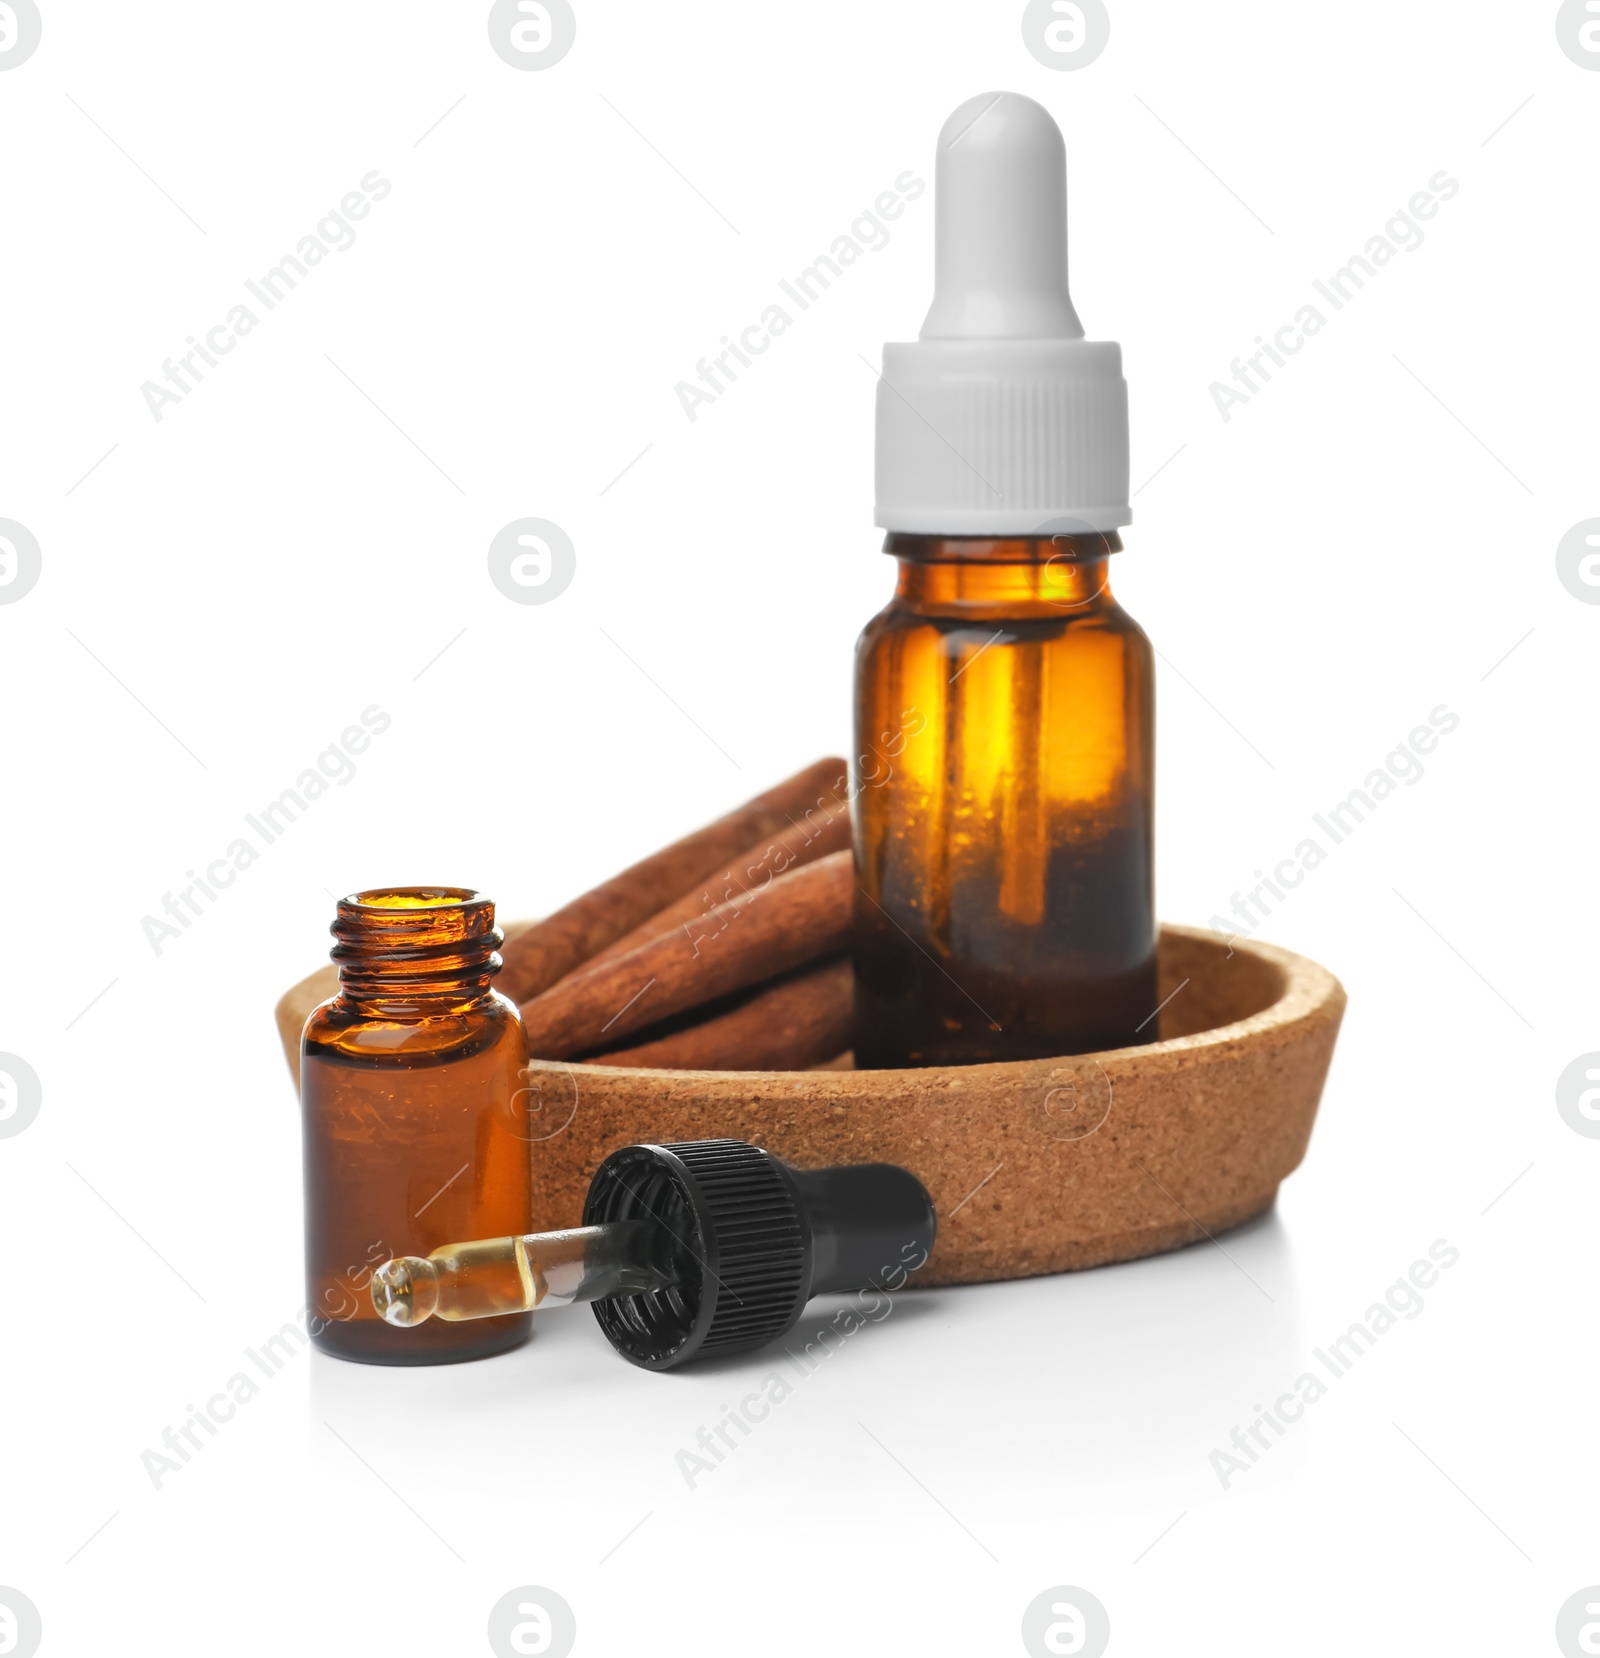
(1001, 419)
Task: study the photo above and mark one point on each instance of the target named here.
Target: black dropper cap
(755, 1240)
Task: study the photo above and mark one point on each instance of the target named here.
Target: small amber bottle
(410, 1091)
(1005, 743)
(1005, 739)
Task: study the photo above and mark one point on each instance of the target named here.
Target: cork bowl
(1038, 1166)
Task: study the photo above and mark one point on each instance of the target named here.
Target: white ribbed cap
(1001, 419)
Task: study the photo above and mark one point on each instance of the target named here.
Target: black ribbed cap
(734, 1214)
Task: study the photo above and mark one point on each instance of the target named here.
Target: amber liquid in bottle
(1004, 772)
(414, 1118)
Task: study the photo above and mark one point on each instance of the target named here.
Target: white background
(229, 587)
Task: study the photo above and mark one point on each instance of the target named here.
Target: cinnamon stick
(787, 1025)
(827, 831)
(796, 918)
(555, 946)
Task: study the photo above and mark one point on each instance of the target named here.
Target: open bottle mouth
(413, 898)
(415, 942)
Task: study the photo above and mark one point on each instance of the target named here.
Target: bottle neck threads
(415, 951)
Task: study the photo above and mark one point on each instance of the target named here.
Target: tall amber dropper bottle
(1004, 699)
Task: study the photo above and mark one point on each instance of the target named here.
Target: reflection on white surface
(1113, 1384)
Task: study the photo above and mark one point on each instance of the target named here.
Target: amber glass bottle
(1005, 758)
(409, 1090)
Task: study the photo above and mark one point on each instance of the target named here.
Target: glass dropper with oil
(687, 1250)
(534, 1271)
